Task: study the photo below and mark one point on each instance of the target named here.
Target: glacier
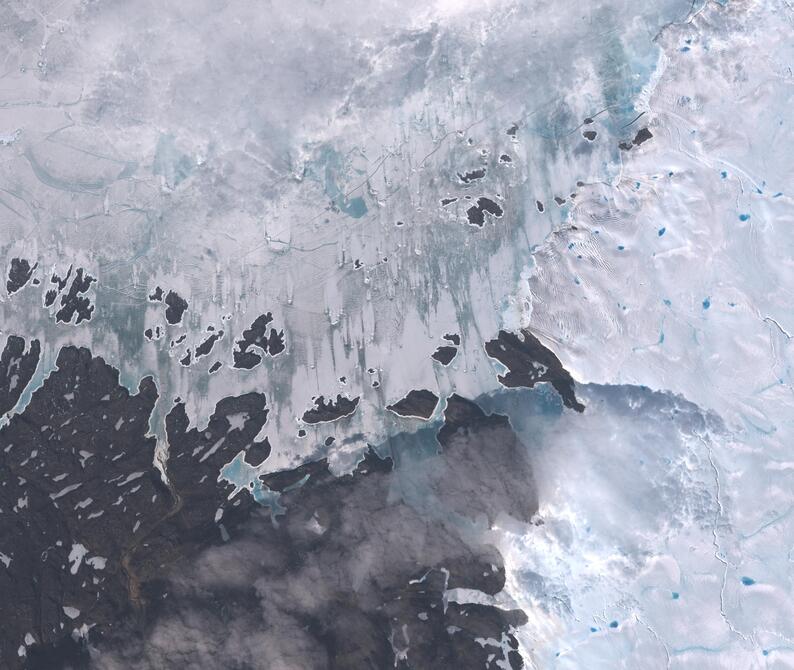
(309, 202)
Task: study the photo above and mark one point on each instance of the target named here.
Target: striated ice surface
(293, 161)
